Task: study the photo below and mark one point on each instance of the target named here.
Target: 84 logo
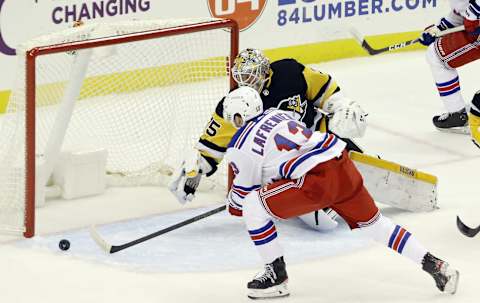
(245, 12)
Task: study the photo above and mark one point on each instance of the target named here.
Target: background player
(286, 84)
(449, 52)
(283, 170)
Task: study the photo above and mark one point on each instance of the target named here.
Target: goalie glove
(187, 178)
(348, 120)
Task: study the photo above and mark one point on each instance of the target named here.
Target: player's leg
(448, 85)
(444, 56)
(282, 199)
(362, 214)
(395, 237)
(474, 119)
(272, 282)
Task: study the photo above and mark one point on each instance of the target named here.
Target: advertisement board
(309, 30)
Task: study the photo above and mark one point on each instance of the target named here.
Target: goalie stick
(467, 231)
(375, 51)
(109, 248)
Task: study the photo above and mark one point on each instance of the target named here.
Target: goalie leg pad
(397, 185)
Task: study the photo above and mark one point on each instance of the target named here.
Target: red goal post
(207, 70)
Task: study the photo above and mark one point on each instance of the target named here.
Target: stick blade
(99, 240)
(467, 231)
(363, 42)
(357, 35)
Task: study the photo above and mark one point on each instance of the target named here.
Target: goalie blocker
(397, 185)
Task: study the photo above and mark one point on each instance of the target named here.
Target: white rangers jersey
(275, 146)
(461, 9)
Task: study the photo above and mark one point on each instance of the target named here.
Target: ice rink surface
(212, 260)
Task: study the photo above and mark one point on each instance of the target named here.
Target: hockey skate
(456, 122)
(445, 277)
(272, 283)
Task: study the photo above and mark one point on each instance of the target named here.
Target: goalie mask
(242, 105)
(251, 68)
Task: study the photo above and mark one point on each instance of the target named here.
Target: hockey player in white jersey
(449, 52)
(283, 170)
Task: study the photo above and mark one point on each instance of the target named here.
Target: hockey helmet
(242, 105)
(251, 68)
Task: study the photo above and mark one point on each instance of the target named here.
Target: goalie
(313, 97)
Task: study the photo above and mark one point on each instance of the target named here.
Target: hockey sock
(447, 82)
(261, 229)
(395, 237)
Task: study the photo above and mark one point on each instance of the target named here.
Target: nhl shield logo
(245, 12)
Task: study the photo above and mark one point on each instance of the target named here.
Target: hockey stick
(467, 231)
(108, 248)
(372, 51)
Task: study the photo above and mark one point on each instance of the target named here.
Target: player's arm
(472, 20)
(430, 33)
(247, 178)
(320, 86)
(347, 116)
(214, 140)
(204, 158)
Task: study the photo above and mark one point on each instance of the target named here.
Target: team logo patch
(245, 12)
(294, 104)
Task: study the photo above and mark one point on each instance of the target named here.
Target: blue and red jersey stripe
(242, 192)
(287, 168)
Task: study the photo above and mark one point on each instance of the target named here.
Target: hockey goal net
(140, 90)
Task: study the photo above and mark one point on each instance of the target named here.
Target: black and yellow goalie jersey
(291, 86)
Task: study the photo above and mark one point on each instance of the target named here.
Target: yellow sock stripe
(393, 167)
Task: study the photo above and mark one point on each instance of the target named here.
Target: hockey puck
(64, 244)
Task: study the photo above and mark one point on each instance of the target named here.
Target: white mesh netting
(145, 102)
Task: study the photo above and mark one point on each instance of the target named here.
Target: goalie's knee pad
(321, 220)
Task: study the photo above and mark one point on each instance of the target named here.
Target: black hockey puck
(64, 244)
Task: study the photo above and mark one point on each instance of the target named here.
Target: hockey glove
(429, 35)
(234, 208)
(348, 120)
(186, 179)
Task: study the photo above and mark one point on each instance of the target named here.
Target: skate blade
(278, 291)
(452, 284)
(462, 130)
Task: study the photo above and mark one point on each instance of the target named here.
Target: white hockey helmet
(251, 68)
(242, 105)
